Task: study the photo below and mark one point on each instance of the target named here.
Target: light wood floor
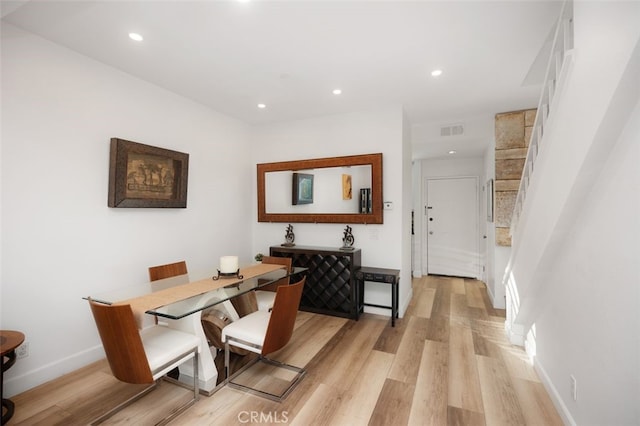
(447, 362)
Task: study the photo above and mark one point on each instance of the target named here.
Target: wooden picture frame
(375, 216)
(302, 189)
(146, 176)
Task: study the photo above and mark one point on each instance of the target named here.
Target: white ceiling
(290, 55)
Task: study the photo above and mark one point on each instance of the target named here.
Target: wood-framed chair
(143, 356)
(165, 276)
(213, 319)
(166, 271)
(267, 294)
(264, 332)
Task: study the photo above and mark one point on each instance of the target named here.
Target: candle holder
(235, 274)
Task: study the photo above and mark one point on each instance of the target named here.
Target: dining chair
(245, 303)
(165, 276)
(212, 319)
(267, 294)
(169, 270)
(263, 333)
(143, 356)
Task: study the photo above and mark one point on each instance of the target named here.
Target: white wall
(60, 241)
(494, 265)
(406, 291)
(416, 238)
(364, 132)
(589, 326)
(575, 256)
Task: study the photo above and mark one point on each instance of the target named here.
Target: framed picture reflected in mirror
(302, 189)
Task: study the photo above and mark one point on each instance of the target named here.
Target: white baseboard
(402, 309)
(567, 419)
(490, 293)
(515, 334)
(46, 373)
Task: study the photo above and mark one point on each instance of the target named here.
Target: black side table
(9, 341)
(378, 275)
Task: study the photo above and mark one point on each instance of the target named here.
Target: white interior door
(452, 227)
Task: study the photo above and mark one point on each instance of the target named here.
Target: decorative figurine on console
(347, 239)
(289, 237)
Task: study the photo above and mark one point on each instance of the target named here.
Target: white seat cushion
(163, 344)
(265, 299)
(251, 328)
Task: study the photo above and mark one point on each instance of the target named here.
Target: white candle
(228, 264)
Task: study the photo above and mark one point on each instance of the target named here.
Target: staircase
(518, 324)
(571, 278)
(561, 51)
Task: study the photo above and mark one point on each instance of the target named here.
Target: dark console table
(330, 287)
(379, 275)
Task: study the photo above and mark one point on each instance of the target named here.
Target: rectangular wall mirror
(345, 190)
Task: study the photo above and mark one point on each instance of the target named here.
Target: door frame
(425, 231)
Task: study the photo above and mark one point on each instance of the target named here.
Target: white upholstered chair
(264, 332)
(266, 295)
(143, 356)
(172, 274)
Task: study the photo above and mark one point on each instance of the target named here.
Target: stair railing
(562, 43)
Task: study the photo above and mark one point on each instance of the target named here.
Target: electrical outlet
(22, 351)
(574, 388)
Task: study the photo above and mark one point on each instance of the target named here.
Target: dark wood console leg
(9, 341)
(6, 415)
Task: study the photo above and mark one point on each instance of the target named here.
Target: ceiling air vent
(452, 130)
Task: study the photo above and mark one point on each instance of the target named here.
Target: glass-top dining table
(180, 302)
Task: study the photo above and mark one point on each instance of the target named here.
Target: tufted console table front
(330, 287)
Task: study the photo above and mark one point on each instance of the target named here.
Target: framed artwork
(302, 189)
(346, 187)
(490, 200)
(146, 176)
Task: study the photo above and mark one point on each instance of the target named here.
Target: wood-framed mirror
(336, 189)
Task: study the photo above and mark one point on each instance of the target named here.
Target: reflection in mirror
(327, 190)
(337, 185)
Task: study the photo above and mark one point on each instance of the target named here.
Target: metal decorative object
(347, 239)
(235, 274)
(289, 237)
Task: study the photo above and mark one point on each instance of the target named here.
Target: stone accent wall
(513, 131)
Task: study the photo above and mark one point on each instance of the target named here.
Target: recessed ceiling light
(436, 73)
(262, 106)
(136, 37)
(337, 91)
(452, 152)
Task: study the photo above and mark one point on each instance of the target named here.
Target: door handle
(430, 232)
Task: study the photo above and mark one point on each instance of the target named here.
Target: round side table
(9, 341)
